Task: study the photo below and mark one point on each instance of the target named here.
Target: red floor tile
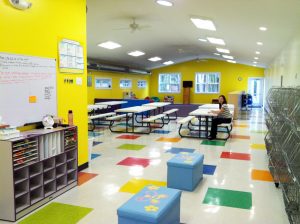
(84, 177)
(234, 155)
(240, 136)
(128, 137)
(132, 161)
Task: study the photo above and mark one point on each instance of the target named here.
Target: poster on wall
(70, 57)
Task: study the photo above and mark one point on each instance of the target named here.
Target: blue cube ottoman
(153, 204)
(185, 171)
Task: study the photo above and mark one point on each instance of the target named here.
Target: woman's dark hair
(224, 101)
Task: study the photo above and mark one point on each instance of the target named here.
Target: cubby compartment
(21, 188)
(25, 152)
(36, 182)
(71, 166)
(49, 164)
(61, 182)
(50, 188)
(71, 155)
(22, 202)
(36, 195)
(61, 170)
(49, 176)
(72, 176)
(35, 169)
(60, 159)
(70, 138)
(21, 174)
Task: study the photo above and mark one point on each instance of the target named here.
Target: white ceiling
(172, 36)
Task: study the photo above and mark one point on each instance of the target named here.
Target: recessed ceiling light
(255, 62)
(257, 52)
(109, 45)
(203, 40)
(254, 65)
(136, 53)
(204, 24)
(168, 63)
(217, 54)
(222, 50)
(231, 61)
(259, 43)
(154, 59)
(262, 28)
(218, 41)
(256, 58)
(227, 56)
(164, 3)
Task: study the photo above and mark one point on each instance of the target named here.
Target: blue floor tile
(209, 169)
(94, 134)
(94, 155)
(179, 150)
(96, 143)
(161, 132)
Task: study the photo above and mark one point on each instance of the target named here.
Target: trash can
(90, 147)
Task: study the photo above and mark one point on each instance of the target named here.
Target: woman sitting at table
(223, 116)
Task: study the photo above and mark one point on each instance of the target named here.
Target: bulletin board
(70, 57)
(27, 88)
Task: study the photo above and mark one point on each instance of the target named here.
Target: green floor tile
(57, 213)
(229, 198)
(131, 147)
(214, 142)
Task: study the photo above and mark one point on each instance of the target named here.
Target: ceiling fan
(134, 26)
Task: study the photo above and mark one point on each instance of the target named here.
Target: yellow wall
(116, 92)
(229, 78)
(286, 64)
(36, 32)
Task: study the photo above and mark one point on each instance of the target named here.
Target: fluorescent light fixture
(218, 41)
(256, 58)
(231, 61)
(154, 59)
(203, 40)
(255, 62)
(109, 45)
(257, 52)
(136, 53)
(217, 54)
(262, 28)
(164, 3)
(254, 65)
(259, 43)
(204, 24)
(168, 63)
(222, 50)
(227, 57)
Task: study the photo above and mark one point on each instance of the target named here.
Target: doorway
(256, 89)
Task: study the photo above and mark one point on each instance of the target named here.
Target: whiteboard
(27, 88)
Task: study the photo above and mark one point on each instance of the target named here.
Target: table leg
(132, 122)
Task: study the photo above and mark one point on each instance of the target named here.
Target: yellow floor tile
(241, 126)
(263, 175)
(135, 185)
(258, 146)
(163, 139)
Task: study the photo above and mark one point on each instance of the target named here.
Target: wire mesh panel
(283, 145)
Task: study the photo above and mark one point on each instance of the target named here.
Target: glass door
(256, 90)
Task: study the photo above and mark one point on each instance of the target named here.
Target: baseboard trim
(83, 166)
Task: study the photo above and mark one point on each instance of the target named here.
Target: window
(125, 83)
(103, 83)
(208, 82)
(142, 84)
(169, 83)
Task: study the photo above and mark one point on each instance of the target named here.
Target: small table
(158, 105)
(111, 103)
(133, 111)
(203, 113)
(216, 107)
